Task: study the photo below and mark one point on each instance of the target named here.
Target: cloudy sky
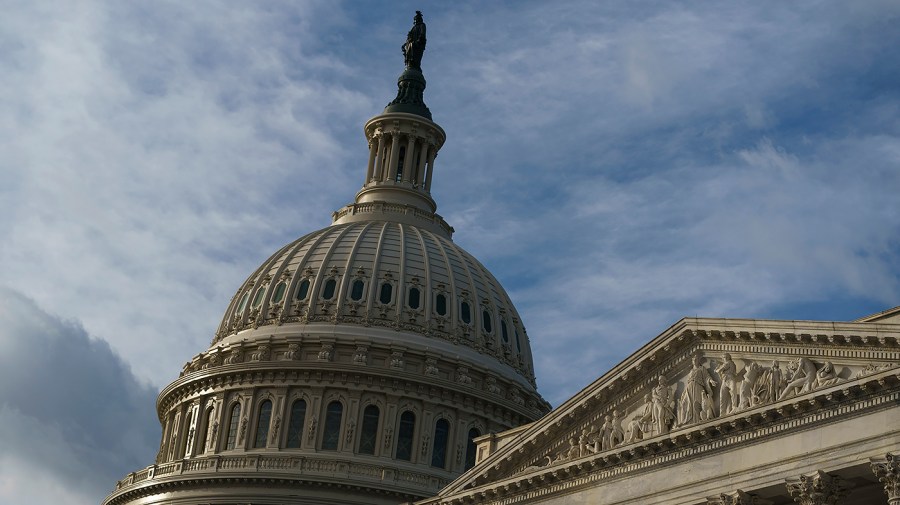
(617, 165)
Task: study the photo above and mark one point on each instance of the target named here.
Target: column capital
(737, 497)
(817, 488)
(887, 469)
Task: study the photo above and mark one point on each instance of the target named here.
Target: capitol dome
(358, 364)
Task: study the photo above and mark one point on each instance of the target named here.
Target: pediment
(701, 379)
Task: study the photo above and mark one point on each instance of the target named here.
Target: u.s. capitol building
(377, 362)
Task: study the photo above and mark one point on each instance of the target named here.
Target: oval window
(259, 296)
(387, 292)
(413, 298)
(278, 295)
(328, 290)
(465, 313)
(486, 321)
(303, 289)
(243, 304)
(440, 305)
(356, 292)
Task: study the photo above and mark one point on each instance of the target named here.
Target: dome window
(262, 424)
(233, 422)
(278, 295)
(243, 304)
(413, 298)
(471, 447)
(257, 299)
(465, 313)
(295, 428)
(405, 436)
(504, 332)
(328, 290)
(518, 342)
(332, 434)
(356, 290)
(441, 436)
(368, 433)
(440, 304)
(400, 160)
(486, 321)
(303, 289)
(387, 293)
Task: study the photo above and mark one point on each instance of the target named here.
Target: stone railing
(285, 466)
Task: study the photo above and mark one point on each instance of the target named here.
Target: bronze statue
(414, 46)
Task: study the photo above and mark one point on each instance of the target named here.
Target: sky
(616, 165)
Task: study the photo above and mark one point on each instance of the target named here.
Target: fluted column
(409, 160)
(395, 156)
(737, 497)
(430, 168)
(370, 167)
(818, 488)
(887, 470)
(379, 158)
(420, 170)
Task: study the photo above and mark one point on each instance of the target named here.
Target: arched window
(278, 295)
(185, 435)
(504, 332)
(439, 452)
(257, 299)
(204, 425)
(332, 433)
(262, 424)
(405, 436)
(295, 428)
(486, 323)
(356, 291)
(440, 304)
(400, 160)
(387, 293)
(470, 447)
(413, 298)
(303, 289)
(233, 421)
(518, 342)
(243, 304)
(368, 433)
(465, 313)
(328, 290)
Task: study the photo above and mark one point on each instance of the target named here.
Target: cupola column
(408, 161)
(379, 158)
(370, 167)
(420, 170)
(395, 156)
(430, 167)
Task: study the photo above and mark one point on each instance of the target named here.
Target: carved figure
(414, 47)
(604, 434)
(802, 375)
(663, 407)
(362, 355)
(491, 386)
(698, 384)
(775, 379)
(615, 435)
(826, 376)
(707, 411)
(750, 388)
(327, 352)
(397, 360)
(462, 375)
(728, 393)
(236, 356)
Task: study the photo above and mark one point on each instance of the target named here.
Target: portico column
(737, 497)
(430, 168)
(818, 488)
(887, 470)
(395, 156)
(408, 160)
(370, 167)
(420, 170)
(379, 158)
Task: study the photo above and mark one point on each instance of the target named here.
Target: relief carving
(663, 407)
(696, 400)
(491, 386)
(462, 375)
(235, 356)
(327, 352)
(397, 360)
(293, 352)
(261, 353)
(361, 357)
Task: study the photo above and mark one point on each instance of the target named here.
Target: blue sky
(617, 166)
